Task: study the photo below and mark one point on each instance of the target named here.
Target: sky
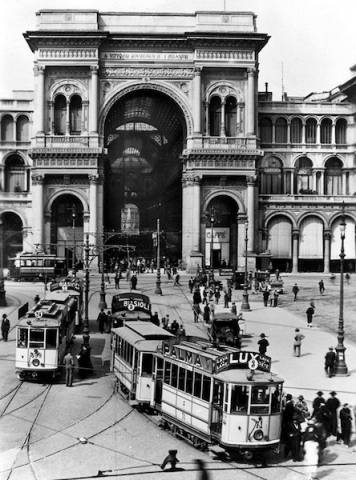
(314, 40)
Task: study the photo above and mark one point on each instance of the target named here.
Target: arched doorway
(311, 245)
(222, 247)
(349, 246)
(279, 243)
(144, 133)
(67, 228)
(12, 236)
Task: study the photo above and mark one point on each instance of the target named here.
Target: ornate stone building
(145, 116)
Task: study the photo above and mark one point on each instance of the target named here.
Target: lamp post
(340, 364)
(102, 302)
(245, 306)
(158, 289)
(86, 336)
(73, 227)
(2, 288)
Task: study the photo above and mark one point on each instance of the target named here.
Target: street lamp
(102, 302)
(158, 289)
(2, 288)
(73, 227)
(245, 306)
(86, 336)
(340, 364)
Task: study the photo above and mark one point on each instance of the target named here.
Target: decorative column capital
(295, 233)
(94, 69)
(251, 180)
(93, 179)
(197, 71)
(39, 69)
(37, 179)
(251, 71)
(327, 234)
(190, 179)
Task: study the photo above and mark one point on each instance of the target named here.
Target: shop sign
(191, 358)
(220, 235)
(243, 359)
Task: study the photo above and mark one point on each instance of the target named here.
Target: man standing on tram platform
(69, 365)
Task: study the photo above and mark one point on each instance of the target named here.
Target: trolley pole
(73, 227)
(158, 289)
(86, 336)
(102, 302)
(2, 288)
(245, 306)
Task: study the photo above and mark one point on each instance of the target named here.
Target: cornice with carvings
(146, 72)
(190, 178)
(68, 53)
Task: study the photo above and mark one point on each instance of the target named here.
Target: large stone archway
(145, 133)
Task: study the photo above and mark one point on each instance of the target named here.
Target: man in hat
(346, 421)
(302, 411)
(330, 359)
(5, 327)
(298, 337)
(332, 404)
(318, 400)
(262, 344)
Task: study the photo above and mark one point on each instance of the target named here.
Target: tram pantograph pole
(158, 289)
(86, 336)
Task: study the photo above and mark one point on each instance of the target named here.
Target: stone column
(322, 186)
(191, 218)
(303, 133)
(40, 73)
(93, 101)
(93, 207)
(67, 117)
(314, 179)
(207, 129)
(327, 238)
(251, 101)
(295, 236)
(318, 133)
(51, 117)
(197, 100)
(222, 119)
(37, 208)
(251, 213)
(273, 131)
(333, 133)
(289, 140)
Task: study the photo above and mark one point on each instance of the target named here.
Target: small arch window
(304, 176)
(296, 130)
(230, 116)
(22, 129)
(60, 107)
(266, 130)
(215, 116)
(310, 131)
(340, 132)
(75, 115)
(281, 130)
(325, 131)
(15, 174)
(333, 176)
(7, 129)
(271, 176)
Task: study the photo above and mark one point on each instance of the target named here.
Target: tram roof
(240, 376)
(35, 322)
(144, 336)
(59, 296)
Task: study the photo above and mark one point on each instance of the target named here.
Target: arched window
(310, 130)
(130, 219)
(75, 115)
(340, 132)
(281, 130)
(60, 107)
(230, 116)
(215, 116)
(296, 130)
(333, 176)
(325, 131)
(271, 176)
(7, 129)
(22, 130)
(15, 174)
(303, 176)
(266, 130)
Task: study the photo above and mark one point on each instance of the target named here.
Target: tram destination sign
(243, 359)
(131, 302)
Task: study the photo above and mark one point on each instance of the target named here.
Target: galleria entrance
(144, 134)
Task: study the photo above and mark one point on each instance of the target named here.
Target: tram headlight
(35, 362)
(258, 435)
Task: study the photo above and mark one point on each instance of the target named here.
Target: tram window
(39, 262)
(22, 338)
(167, 372)
(189, 382)
(51, 338)
(146, 364)
(259, 400)
(218, 393)
(197, 384)
(130, 355)
(239, 398)
(174, 377)
(206, 388)
(37, 338)
(181, 378)
(276, 399)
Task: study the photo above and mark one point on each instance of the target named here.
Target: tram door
(159, 380)
(217, 408)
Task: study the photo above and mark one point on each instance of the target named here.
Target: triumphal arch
(146, 116)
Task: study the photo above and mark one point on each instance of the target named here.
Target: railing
(62, 141)
(16, 196)
(308, 198)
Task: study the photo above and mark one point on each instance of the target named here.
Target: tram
(74, 288)
(43, 336)
(205, 394)
(36, 267)
(130, 306)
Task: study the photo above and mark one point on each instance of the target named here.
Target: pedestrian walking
(295, 291)
(311, 445)
(330, 359)
(36, 299)
(333, 404)
(133, 282)
(5, 327)
(117, 280)
(108, 322)
(263, 343)
(293, 440)
(298, 337)
(321, 287)
(346, 423)
(275, 297)
(310, 312)
(69, 365)
(176, 280)
(233, 308)
(217, 295)
(174, 327)
(170, 458)
(301, 408)
(155, 319)
(203, 472)
(102, 319)
(206, 314)
(196, 296)
(265, 295)
(196, 312)
(191, 284)
(226, 299)
(318, 400)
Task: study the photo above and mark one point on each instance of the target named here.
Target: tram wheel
(247, 454)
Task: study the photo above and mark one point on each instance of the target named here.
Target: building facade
(137, 117)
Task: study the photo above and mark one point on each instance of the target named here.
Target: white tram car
(206, 395)
(43, 335)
